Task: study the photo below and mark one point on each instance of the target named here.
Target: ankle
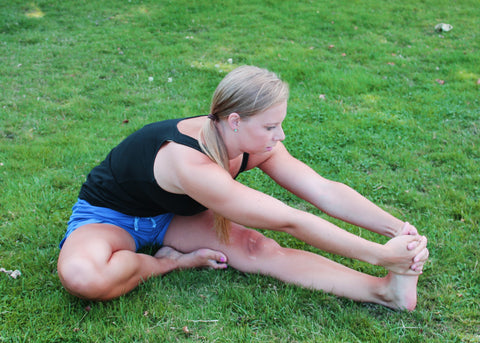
(382, 292)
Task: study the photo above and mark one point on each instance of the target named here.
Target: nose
(280, 135)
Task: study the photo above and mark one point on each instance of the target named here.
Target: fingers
(408, 262)
(416, 256)
(412, 245)
(417, 269)
(409, 229)
(420, 247)
(419, 260)
(423, 243)
(420, 242)
(421, 256)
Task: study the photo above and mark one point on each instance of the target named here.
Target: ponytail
(246, 90)
(214, 147)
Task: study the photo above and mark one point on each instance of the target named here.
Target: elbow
(292, 222)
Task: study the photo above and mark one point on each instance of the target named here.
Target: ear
(234, 120)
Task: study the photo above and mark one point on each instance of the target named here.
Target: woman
(173, 183)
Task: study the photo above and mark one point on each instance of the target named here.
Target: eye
(270, 128)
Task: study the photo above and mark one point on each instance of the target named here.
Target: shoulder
(176, 163)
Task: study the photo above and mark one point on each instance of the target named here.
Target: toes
(215, 265)
(214, 255)
(213, 259)
(219, 260)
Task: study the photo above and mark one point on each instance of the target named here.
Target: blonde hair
(246, 90)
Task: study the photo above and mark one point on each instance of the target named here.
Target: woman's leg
(250, 251)
(98, 261)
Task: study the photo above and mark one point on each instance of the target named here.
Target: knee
(256, 245)
(80, 278)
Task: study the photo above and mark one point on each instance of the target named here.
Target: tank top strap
(193, 143)
(243, 167)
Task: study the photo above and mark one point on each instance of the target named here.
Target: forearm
(343, 202)
(330, 238)
(394, 255)
(333, 198)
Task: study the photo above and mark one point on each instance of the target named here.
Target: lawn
(380, 101)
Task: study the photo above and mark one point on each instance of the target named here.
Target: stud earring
(235, 130)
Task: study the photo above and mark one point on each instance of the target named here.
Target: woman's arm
(334, 198)
(194, 174)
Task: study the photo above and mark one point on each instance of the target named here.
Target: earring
(235, 130)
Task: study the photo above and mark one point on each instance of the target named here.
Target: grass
(74, 80)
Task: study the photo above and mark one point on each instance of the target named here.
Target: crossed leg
(99, 262)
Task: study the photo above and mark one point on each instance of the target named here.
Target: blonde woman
(172, 183)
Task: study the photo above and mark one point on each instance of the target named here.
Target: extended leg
(250, 251)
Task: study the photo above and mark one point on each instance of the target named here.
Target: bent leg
(250, 251)
(99, 262)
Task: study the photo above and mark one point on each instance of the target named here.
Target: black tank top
(125, 182)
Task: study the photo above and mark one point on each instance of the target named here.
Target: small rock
(442, 27)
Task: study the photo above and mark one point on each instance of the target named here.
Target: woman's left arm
(334, 198)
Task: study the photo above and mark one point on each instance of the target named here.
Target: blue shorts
(144, 230)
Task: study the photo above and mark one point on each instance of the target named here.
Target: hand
(420, 259)
(401, 253)
(408, 229)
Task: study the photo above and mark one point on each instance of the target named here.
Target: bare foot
(400, 292)
(198, 258)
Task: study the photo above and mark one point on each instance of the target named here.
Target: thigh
(88, 262)
(187, 234)
(95, 243)
(247, 249)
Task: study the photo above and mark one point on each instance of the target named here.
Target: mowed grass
(379, 101)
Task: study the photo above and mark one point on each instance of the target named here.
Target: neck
(231, 140)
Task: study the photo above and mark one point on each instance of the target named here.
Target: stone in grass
(442, 27)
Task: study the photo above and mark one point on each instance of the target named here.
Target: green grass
(71, 78)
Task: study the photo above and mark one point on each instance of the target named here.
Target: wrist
(398, 228)
(378, 255)
(383, 256)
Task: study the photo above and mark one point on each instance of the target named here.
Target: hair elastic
(212, 117)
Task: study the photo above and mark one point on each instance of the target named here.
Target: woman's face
(261, 132)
